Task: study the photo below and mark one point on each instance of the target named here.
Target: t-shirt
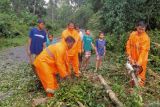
(81, 35)
(54, 41)
(100, 44)
(87, 40)
(38, 37)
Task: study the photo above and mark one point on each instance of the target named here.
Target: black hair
(76, 26)
(50, 35)
(40, 21)
(101, 33)
(71, 23)
(70, 39)
(141, 23)
(86, 30)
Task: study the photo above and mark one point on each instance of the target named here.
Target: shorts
(87, 54)
(99, 57)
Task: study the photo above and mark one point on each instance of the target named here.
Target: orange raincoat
(52, 61)
(137, 48)
(73, 53)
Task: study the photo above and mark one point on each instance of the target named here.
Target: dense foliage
(118, 16)
(115, 17)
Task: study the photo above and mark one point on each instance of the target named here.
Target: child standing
(100, 50)
(50, 40)
(87, 47)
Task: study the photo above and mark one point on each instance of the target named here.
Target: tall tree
(121, 15)
(34, 6)
(5, 5)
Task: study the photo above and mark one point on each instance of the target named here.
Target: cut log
(109, 91)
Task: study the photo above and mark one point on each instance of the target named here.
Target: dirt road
(14, 55)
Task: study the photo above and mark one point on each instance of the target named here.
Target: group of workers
(51, 57)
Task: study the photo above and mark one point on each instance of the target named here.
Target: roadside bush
(11, 26)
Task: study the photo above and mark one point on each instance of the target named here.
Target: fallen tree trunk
(109, 91)
(80, 104)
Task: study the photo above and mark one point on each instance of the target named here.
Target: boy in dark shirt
(37, 39)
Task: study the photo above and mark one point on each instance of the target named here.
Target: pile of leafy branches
(79, 90)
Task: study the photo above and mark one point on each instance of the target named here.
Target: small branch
(80, 104)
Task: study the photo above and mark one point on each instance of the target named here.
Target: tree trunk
(34, 8)
(111, 94)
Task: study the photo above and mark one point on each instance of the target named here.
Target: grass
(17, 86)
(17, 83)
(12, 42)
(114, 71)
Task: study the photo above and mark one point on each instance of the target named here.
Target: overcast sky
(46, 1)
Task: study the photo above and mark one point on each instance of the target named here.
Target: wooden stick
(80, 104)
(110, 92)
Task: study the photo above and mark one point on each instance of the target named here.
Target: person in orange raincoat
(137, 49)
(51, 61)
(73, 53)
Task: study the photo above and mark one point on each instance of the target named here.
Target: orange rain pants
(48, 64)
(73, 53)
(137, 48)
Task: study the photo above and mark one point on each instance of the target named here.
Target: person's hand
(104, 54)
(138, 69)
(28, 52)
(82, 50)
(131, 60)
(96, 53)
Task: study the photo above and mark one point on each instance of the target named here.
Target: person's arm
(28, 50)
(62, 65)
(79, 44)
(128, 49)
(93, 47)
(83, 43)
(44, 42)
(63, 35)
(96, 47)
(144, 52)
(105, 48)
(44, 45)
(29, 45)
(82, 46)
